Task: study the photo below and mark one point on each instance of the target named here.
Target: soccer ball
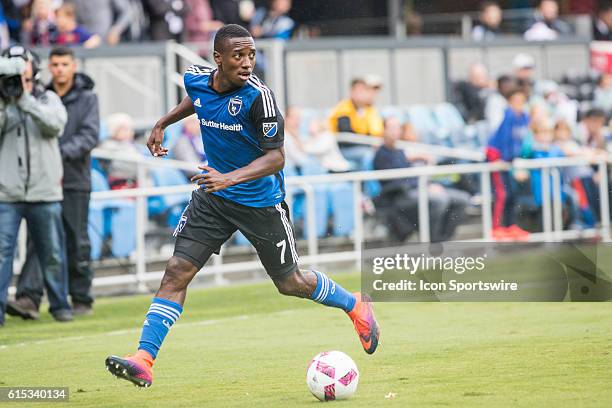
(332, 375)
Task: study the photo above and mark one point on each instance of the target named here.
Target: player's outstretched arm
(271, 162)
(179, 112)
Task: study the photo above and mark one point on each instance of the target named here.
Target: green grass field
(249, 346)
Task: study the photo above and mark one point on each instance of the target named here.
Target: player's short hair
(228, 32)
(61, 52)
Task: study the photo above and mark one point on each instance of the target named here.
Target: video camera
(12, 65)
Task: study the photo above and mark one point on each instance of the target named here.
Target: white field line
(206, 322)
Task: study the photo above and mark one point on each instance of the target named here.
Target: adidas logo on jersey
(197, 103)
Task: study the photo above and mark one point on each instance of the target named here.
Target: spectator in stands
(546, 24)
(471, 95)
(107, 18)
(40, 27)
(121, 174)
(490, 18)
(524, 68)
(541, 145)
(497, 102)
(294, 148)
(581, 178)
(12, 15)
(409, 133)
(414, 23)
(603, 93)
(165, 19)
(188, 146)
(318, 143)
(525, 74)
(233, 11)
(79, 138)
(590, 130)
(400, 196)
(136, 29)
(4, 31)
(200, 24)
(357, 114)
(602, 25)
(322, 144)
(505, 144)
(274, 21)
(558, 106)
(31, 122)
(69, 32)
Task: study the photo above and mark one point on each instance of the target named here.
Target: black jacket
(80, 134)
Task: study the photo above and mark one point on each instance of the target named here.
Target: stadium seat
(170, 206)
(95, 227)
(103, 133)
(312, 167)
(240, 239)
(450, 123)
(171, 135)
(116, 218)
(342, 203)
(422, 118)
(123, 228)
(371, 188)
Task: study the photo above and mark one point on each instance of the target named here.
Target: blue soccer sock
(329, 293)
(162, 315)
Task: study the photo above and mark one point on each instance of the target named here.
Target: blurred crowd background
(94, 22)
(487, 112)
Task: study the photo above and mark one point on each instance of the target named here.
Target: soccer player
(242, 189)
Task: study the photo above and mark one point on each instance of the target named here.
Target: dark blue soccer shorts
(209, 220)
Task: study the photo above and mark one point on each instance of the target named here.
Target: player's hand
(212, 179)
(154, 143)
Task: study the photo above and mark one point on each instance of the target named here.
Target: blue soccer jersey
(237, 126)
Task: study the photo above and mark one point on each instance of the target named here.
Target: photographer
(31, 121)
(80, 136)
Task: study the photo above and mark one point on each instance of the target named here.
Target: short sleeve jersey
(237, 126)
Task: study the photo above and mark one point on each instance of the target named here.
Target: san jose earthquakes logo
(234, 106)
(270, 129)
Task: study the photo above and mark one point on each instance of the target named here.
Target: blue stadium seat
(240, 239)
(422, 118)
(392, 111)
(103, 133)
(312, 167)
(371, 188)
(170, 205)
(450, 123)
(342, 205)
(116, 218)
(171, 135)
(95, 227)
(123, 228)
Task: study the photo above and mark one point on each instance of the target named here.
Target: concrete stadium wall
(316, 73)
(412, 71)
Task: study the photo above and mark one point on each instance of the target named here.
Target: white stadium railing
(553, 230)
(551, 208)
